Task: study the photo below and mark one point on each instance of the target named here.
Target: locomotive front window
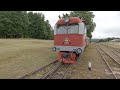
(74, 29)
(70, 29)
(62, 30)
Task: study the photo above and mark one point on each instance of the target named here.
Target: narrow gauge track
(114, 50)
(109, 60)
(58, 72)
(35, 72)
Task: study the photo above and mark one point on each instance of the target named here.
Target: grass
(20, 56)
(80, 70)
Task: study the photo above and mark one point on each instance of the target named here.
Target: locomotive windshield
(70, 29)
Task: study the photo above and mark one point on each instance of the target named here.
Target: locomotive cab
(69, 39)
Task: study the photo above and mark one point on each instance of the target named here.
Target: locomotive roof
(72, 21)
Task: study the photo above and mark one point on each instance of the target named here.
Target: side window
(81, 28)
(85, 31)
(55, 29)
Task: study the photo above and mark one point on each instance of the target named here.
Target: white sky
(107, 22)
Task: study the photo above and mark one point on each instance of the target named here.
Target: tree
(13, 24)
(87, 16)
(39, 28)
(101, 40)
(59, 16)
(20, 24)
(48, 32)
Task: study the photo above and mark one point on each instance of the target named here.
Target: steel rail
(38, 69)
(106, 62)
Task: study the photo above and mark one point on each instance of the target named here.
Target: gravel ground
(114, 44)
(115, 67)
(99, 68)
(19, 57)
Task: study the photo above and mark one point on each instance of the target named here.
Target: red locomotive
(70, 39)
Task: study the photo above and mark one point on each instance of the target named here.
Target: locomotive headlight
(66, 19)
(54, 49)
(79, 50)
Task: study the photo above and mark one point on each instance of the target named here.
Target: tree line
(108, 39)
(23, 24)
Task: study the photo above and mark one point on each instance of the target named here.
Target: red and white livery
(70, 39)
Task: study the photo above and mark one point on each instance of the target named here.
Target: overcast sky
(107, 22)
